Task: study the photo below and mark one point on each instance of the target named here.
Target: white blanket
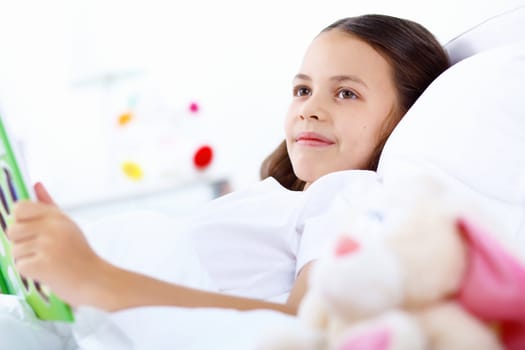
(160, 250)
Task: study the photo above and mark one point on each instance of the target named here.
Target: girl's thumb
(42, 195)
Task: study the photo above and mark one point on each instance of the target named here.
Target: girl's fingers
(42, 195)
(28, 266)
(24, 250)
(19, 232)
(27, 210)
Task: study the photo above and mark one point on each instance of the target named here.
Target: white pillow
(468, 128)
(500, 30)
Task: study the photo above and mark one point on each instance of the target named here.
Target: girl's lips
(313, 139)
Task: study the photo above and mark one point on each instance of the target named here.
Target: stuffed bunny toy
(411, 270)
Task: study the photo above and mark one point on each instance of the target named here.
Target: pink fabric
(378, 339)
(493, 288)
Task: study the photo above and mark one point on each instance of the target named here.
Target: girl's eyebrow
(336, 78)
(353, 78)
(302, 76)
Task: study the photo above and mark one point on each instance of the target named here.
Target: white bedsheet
(161, 250)
(140, 328)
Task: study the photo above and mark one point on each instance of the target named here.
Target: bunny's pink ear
(376, 339)
(493, 288)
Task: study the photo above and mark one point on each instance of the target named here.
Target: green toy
(45, 304)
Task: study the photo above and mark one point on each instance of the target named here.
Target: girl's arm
(49, 247)
(115, 288)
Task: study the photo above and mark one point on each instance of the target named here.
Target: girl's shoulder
(341, 186)
(268, 190)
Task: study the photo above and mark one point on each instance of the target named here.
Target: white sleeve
(318, 233)
(328, 204)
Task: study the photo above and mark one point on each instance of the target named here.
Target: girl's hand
(49, 247)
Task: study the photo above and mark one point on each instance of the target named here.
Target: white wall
(236, 58)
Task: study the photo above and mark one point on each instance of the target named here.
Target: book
(13, 187)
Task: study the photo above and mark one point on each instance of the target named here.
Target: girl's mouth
(313, 139)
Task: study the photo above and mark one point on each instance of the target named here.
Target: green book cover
(3, 285)
(45, 304)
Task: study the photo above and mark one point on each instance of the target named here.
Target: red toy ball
(202, 157)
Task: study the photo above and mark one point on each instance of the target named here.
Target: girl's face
(342, 97)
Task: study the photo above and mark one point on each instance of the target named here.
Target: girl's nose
(313, 108)
(311, 116)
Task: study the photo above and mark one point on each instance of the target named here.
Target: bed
(468, 128)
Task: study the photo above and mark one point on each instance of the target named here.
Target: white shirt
(253, 242)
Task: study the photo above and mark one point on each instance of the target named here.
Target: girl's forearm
(117, 289)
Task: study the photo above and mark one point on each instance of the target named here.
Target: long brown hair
(416, 58)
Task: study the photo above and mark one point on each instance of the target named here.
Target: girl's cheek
(288, 122)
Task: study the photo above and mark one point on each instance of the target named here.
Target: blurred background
(166, 104)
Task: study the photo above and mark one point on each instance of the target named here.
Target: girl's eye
(347, 94)
(301, 91)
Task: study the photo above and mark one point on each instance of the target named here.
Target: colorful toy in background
(155, 142)
(203, 157)
(132, 170)
(125, 118)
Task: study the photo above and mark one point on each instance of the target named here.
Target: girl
(357, 79)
